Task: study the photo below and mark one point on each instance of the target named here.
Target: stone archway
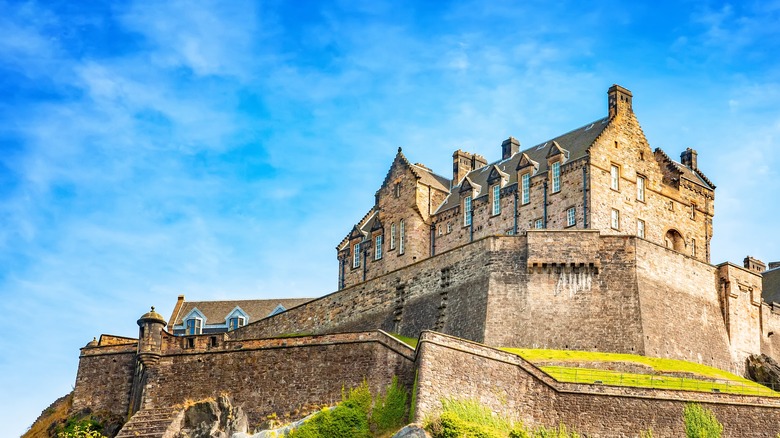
(674, 240)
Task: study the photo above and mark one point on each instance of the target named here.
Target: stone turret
(150, 327)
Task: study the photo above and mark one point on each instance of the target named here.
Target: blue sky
(222, 149)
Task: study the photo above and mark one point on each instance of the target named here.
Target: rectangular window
(378, 247)
(571, 218)
(640, 228)
(194, 326)
(556, 177)
(449, 227)
(440, 230)
(539, 224)
(235, 322)
(614, 173)
(693, 211)
(526, 187)
(401, 241)
(392, 236)
(693, 247)
(356, 255)
(496, 199)
(467, 211)
(615, 219)
(640, 188)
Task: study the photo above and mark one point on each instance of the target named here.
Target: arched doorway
(674, 240)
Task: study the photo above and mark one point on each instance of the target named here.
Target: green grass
(729, 383)
(406, 340)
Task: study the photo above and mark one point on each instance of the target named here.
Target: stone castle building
(589, 241)
(602, 176)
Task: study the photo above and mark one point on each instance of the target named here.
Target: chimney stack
(689, 158)
(754, 264)
(619, 100)
(464, 162)
(509, 147)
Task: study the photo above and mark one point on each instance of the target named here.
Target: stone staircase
(151, 423)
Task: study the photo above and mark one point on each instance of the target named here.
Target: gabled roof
(215, 312)
(575, 142)
(695, 176)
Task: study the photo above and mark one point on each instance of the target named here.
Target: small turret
(619, 100)
(151, 325)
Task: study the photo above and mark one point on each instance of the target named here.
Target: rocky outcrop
(412, 431)
(763, 369)
(212, 419)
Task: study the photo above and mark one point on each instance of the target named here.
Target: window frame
(615, 219)
(555, 170)
(614, 177)
(641, 228)
(525, 187)
(640, 188)
(539, 224)
(467, 211)
(402, 233)
(356, 255)
(197, 326)
(571, 217)
(392, 236)
(378, 247)
(693, 247)
(496, 193)
(240, 322)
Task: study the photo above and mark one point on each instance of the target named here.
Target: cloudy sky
(221, 150)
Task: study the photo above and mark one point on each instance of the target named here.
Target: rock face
(212, 419)
(412, 431)
(764, 370)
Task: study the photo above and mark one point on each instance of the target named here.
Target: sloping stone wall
(104, 378)
(452, 368)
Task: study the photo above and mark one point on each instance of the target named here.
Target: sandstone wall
(770, 337)
(510, 386)
(681, 311)
(279, 375)
(104, 378)
(446, 293)
(564, 290)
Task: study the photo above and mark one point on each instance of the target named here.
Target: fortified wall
(577, 290)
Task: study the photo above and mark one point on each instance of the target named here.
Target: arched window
(674, 240)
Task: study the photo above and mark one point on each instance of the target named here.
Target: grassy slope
(730, 382)
(56, 413)
(405, 339)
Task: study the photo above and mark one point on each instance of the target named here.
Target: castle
(589, 241)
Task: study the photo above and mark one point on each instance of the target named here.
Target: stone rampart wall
(565, 290)
(283, 376)
(513, 387)
(445, 293)
(681, 309)
(104, 379)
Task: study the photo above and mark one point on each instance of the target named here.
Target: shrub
(556, 432)
(389, 410)
(701, 422)
(468, 418)
(86, 428)
(648, 434)
(358, 398)
(339, 422)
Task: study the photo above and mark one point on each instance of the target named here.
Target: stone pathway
(150, 423)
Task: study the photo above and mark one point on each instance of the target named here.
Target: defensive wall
(457, 369)
(294, 375)
(578, 290)
(264, 376)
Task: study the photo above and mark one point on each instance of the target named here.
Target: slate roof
(575, 144)
(216, 311)
(427, 177)
(693, 175)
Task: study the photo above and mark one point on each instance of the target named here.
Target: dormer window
(356, 255)
(556, 176)
(467, 211)
(236, 322)
(496, 200)
(194, 326)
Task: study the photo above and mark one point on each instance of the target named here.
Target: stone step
(148, 423)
